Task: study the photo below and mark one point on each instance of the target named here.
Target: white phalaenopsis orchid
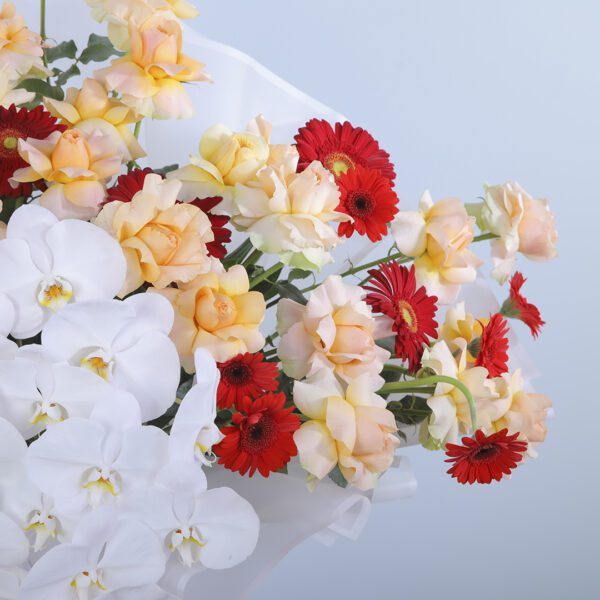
(14, 551)
(214, 528)
(35, 393)
(194, 432)
(46, 263)
(126, 343)
(86, 463)
(105, 556)
(8, 316)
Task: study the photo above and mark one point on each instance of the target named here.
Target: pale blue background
(461, 93)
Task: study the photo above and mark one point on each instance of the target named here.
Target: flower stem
(43, 21)
(266, 274)
(400, 386)
(137, 128)
(253, 258)
(398, 368)
(485, 236)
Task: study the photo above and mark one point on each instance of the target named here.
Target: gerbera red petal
(485, 458)
(261, 437)
(341, 149)
(130, 184)
(245, 375)
(20, 124)
(493, 350)
(367, 196)
(393, 292)
(517, 306)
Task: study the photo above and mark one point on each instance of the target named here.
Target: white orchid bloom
(8, 316)
(126, 343)
(106, 555)
(12, 452)
(194, 432)
(83, 463)
(214, 528)
(14, 551)
(46, 263)
(34, 393)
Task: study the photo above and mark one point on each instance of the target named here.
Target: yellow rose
(350, 428)
(151, 76)
(438, 237)
(163, 241)
(75, 167)
(216, 311)
(90, 109)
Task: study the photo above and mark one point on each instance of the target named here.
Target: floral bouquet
(139, 349)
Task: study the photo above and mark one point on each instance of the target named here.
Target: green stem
(43, 21)
(137, 129)
(416, 390)
(266, 274)
(485, 236)
(270, 353)
(253, 258)
(400, 386)
(398, 368)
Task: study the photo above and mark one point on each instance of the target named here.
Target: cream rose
(335, 330)
(350, 428)
(216, 311)
(91, 109)
(8, 94)
(163, 241)
(523, 224)
(75, 167)
(438, 236)
(150, 78)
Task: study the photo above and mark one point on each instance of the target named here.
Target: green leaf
(389, 344)
(298, 274)
(239, 254)
(289, 290)
(166, 169)
(62, 50)
(42, 88)
(336, 476)
(64, 76)
(410, 410)
(99, 49)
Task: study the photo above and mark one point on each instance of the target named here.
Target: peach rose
(525, 412)
(523, 224)
(20, 48)
(335, 330)
(8, 94)
(91, 109)
(352, 429)
(216, 311)
(163, 241)
(150, 78)
(438, 237)
(75, 166)
(118, 14)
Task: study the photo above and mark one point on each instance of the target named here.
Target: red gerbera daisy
(393, 292)
(493, 347)
(517, 306)
(20, 124)
(368, 197)
(130, 184)
(341, 149)
(245, 375)
(261, 437)
(485, 457)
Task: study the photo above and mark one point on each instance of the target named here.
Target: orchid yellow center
(87, 584)
(48, 413)
(54, 293)
(99, 363)
(408, 315)
(10, 143)
(188, 544)
(44, 526)
(101, 484)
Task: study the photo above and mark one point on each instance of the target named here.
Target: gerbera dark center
(408, 315)
(485, 453)
(360, 204)
(338, 163)
(237, 374)
(258, 436)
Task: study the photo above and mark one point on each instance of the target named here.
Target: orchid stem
(400, 386)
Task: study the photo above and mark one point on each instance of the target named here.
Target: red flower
(485, 457)
(18, 125)
(393, 292)
(368, 197)
(245, 375)
(129, 185)
(342, 149)
(493, 350)
(516, 306)
(261, 437)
